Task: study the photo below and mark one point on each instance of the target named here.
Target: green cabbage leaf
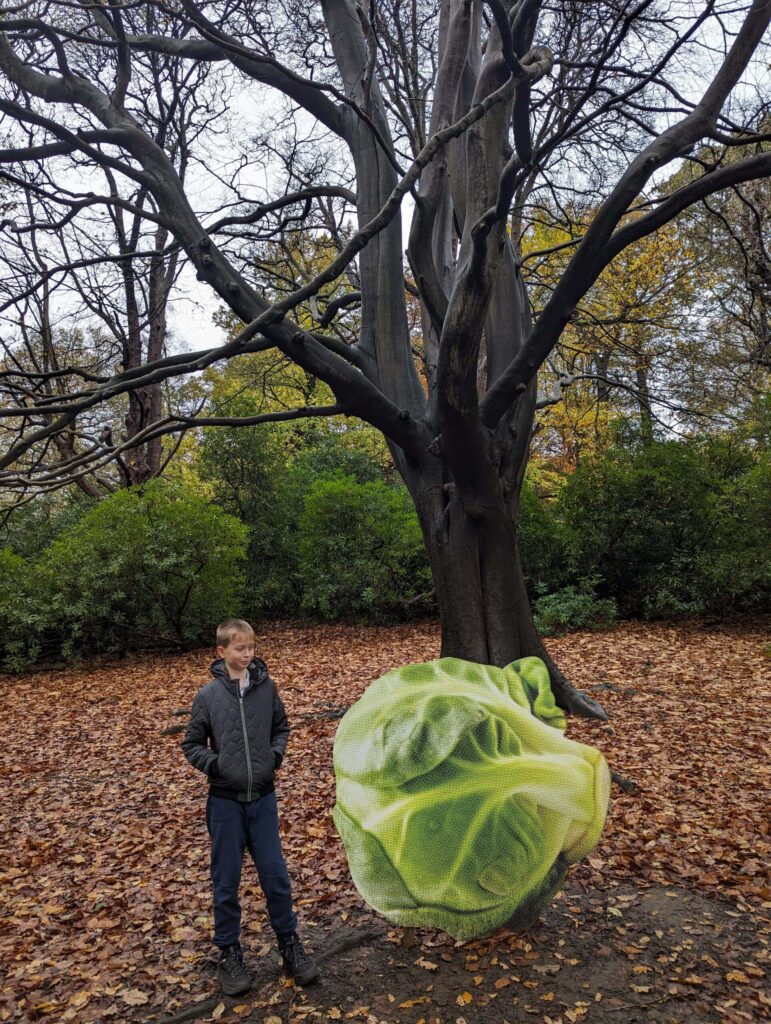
(459, 801)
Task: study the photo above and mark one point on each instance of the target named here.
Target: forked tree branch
(592, 255)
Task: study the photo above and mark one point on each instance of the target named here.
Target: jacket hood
(258, 670)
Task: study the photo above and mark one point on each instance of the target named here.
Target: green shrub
(541, 542)
(262, 475)
(675, 588)
(332, 454)
(22, 611)
(147, 566)
(29, 528)
(737, 568)
(641, 520)
(247, 468)
(361, 551)
(573, 608)
(672, 528)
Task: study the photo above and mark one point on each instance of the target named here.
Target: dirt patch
(662, 955)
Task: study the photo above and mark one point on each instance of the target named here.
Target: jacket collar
(258, 673)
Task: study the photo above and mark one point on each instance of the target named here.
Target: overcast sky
(194, 305)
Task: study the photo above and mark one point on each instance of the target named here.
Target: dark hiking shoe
(296, 960)
(232, 974)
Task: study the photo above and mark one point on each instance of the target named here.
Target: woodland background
(148, 490)
(646, 495)
(133, 520)
(635, 507)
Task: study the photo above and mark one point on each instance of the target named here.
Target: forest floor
(105, 902)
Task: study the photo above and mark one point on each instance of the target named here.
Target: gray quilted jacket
(237, 740)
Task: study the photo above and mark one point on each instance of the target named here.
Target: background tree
(105, 256)
(468, 110)
(621, 353)
(731, 331)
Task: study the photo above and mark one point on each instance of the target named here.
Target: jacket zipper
(246, 747)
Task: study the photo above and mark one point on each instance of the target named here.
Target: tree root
(193, 1012)
(359, 938)
(627, 785)
(574, 701)
(322, 716)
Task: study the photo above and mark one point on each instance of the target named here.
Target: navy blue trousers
(235, 827)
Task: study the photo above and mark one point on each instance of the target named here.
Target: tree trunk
(482, 600)
(483, 604)
(644, 402)
(601, 367)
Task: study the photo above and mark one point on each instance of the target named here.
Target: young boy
(237, 736)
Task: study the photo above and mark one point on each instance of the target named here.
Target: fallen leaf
(133, 997)
(738, 976)
(755, 971)
(664, 735)
(427, 965)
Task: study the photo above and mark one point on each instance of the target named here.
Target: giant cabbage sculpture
(459, 801)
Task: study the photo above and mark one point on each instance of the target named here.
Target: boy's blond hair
(230, 629)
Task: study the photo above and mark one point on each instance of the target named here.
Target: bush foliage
(361, 551)
(663, 529)
(311, 521)
(574, 607)
(147, 566)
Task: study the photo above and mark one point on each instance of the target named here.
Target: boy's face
(238, 653)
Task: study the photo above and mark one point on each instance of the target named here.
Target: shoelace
(295, 951)
(233, 961)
